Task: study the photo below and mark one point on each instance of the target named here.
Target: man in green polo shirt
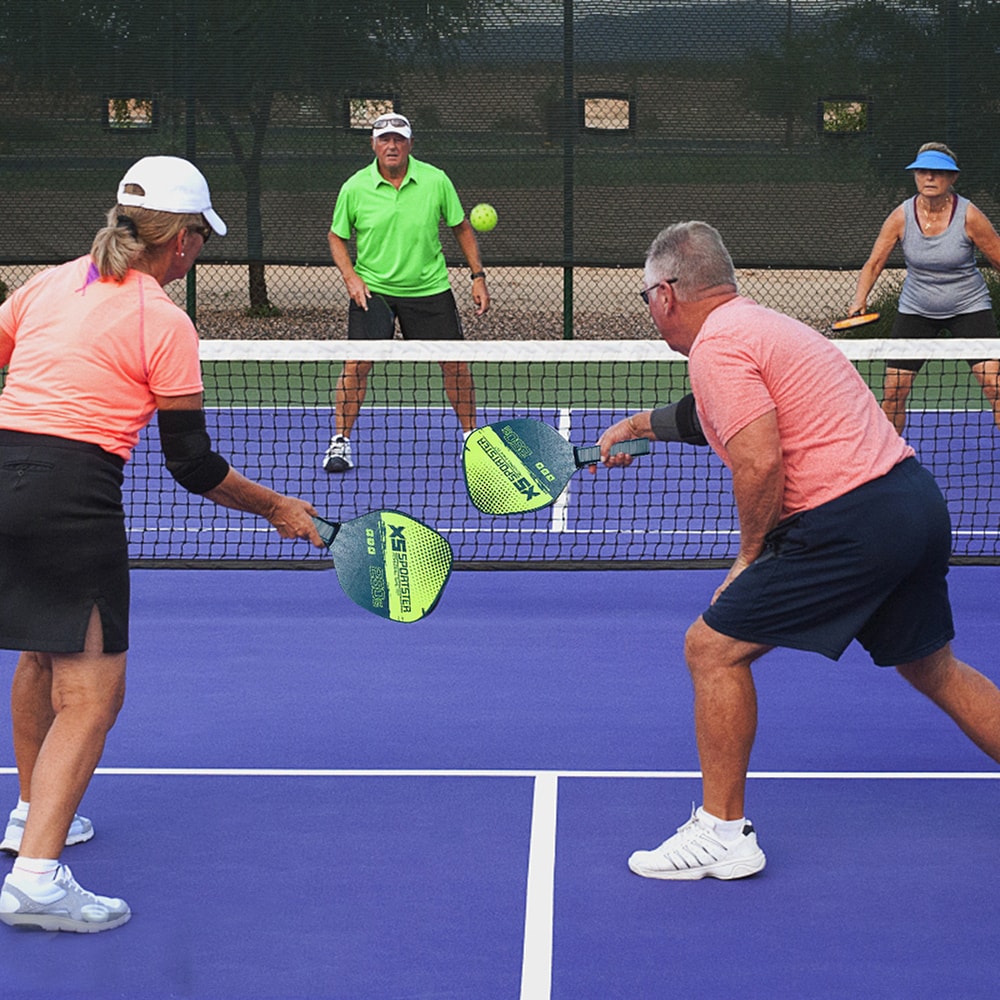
(393, 208)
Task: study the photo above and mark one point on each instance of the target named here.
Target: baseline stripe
(277, 772)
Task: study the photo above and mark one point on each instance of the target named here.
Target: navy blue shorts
(870, 565)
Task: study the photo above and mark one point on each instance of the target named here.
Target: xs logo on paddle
(524, 486)
(397, 542)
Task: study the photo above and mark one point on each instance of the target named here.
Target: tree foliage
(903, 58)
(230, 59)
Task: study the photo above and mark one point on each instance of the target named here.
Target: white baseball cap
(392, 122)
(171, 184)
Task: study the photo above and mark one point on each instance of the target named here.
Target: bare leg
(31, 713)
(461, 392)
(87, 690)
(725, 714)
(898, 383)
(988, 376)
(352, 386)
(971, 699)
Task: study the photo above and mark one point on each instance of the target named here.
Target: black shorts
(63, 547)
(906, 326)
(425, 317)
(870, 565)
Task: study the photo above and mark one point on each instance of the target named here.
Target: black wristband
(477, 274)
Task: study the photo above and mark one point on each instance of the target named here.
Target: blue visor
(933, 159)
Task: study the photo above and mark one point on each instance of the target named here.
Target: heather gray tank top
(942, 279)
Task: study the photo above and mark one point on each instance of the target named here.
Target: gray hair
(937, 147)
(692, 253)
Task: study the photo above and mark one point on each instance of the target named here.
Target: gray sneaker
(74, 909)
(338, 455)
(80, 831)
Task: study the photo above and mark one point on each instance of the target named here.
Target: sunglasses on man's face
(644, 294)
(203, 231)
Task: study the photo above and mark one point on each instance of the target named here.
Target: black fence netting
(588, 124)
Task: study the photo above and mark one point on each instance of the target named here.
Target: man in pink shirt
(843, 534)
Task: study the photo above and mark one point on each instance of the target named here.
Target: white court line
(282, 772)
(560, 509)
(536, 962)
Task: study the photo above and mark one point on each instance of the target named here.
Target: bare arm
(980, 230)
(356, 288)
(465, 236)
(758, 487)
(889, 235)
(290, 516)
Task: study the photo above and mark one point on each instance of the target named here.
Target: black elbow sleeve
(688, 423)
(678, 422)
(187, 449)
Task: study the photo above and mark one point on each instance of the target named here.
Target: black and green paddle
(389, 563)
(517, 466)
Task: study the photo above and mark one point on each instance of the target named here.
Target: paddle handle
(327, 530)
(592, 454)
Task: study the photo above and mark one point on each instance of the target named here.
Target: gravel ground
(311, 303)
(526, 302)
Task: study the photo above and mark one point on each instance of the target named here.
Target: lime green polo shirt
(398, 242)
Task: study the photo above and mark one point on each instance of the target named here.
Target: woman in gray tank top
(940, 232)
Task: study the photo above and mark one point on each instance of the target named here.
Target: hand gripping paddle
(389, 563)
(517, 466)
(848, 323)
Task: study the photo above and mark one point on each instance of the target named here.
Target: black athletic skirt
(63, 548)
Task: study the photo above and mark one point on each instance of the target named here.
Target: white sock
(36, 878)
(21, 809)
(727, 830)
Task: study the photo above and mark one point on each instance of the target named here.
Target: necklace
(933, 215)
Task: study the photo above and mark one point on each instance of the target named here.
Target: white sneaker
(71, 908)
(338, 455)
(694, 851)
(80, 831)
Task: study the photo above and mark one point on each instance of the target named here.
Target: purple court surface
(301, 800)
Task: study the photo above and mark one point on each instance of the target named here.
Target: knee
(930, 672)
(93, 705)
(699, 647)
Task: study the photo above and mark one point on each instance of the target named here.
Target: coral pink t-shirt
(87, 355)
(747, 361)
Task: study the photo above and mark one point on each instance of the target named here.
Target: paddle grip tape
(678, 422)
(187, 449)
(591, 455)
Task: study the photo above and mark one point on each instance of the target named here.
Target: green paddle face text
(389, 563)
